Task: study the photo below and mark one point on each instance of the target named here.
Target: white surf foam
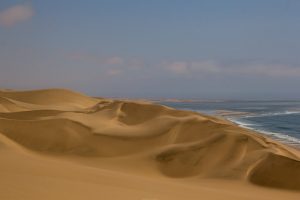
(277, 136)
(270, 114)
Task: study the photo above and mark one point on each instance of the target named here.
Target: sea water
(277, 119)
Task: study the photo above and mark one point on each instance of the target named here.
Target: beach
(61, 144)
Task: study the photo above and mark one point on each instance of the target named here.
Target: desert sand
(60, 144)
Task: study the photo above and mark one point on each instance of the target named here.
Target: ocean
(279, 120)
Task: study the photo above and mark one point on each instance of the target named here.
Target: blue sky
(234, 49)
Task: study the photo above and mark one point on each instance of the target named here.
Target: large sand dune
(59, 144)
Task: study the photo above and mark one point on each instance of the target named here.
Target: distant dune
(60, 144)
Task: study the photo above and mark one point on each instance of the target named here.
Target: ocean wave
(242, 124)
(275, 135)
(270, 114)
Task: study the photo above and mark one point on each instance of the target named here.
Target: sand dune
(75, 146)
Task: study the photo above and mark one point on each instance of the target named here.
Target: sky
(206, 49)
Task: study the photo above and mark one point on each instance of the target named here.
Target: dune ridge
(160, 140)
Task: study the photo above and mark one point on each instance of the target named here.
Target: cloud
(271, 70)
(116, 65)
(212, 67)
(206, 66)
(109, 66)
(114, 72)
(177, 67)
(185, 67)
(114, 60)
(107, 63)
(135, 64)
(15, 14)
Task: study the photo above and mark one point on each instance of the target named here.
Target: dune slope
(101, 136)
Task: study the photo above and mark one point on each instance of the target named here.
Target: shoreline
(233, 116)
(275, 137)
(260, 132)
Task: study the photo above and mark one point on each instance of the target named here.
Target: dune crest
(177, 144)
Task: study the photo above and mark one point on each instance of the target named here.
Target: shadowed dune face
(269, 172)
(177, 143)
